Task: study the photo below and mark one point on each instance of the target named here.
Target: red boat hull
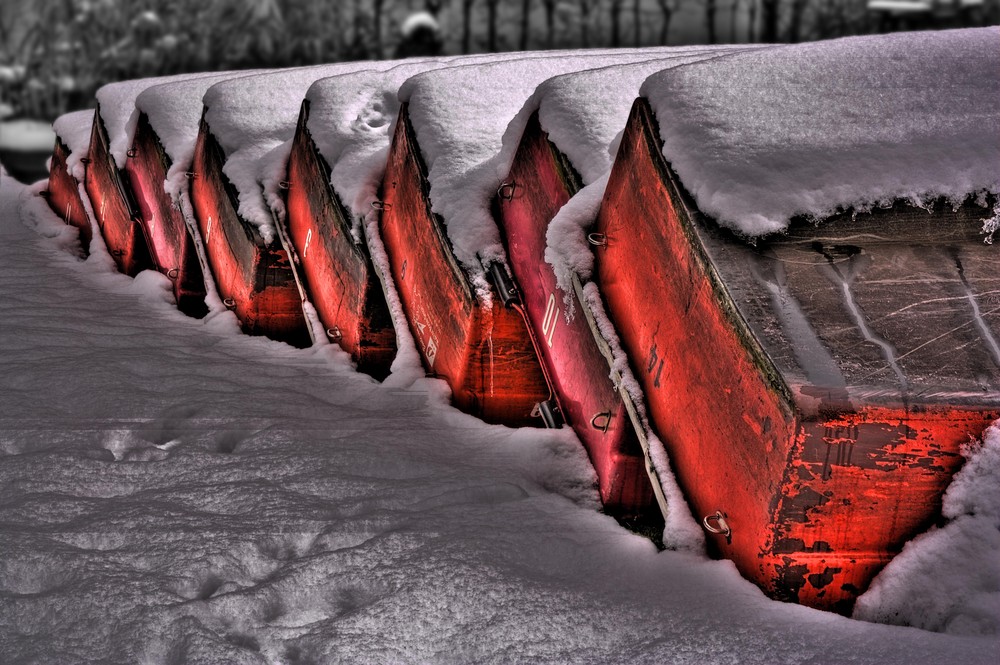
(64, 195)
(117, 217)
(817, 503)
(171, 247)
(254, 278)
(337, 272)
(540, 182)
(483, 351)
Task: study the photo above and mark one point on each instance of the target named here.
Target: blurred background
(54, 54)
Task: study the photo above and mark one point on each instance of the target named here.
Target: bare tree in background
(769, 20)
(616, 22)
(710, 8)
(667, 9)
(467, 26)
(734, 8)
(637, 22)
(550, 23)
(377, 9)
(525, 23)
(752, 21)
(491, 26)
(586, 7)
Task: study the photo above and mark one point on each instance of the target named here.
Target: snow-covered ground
(174, 492)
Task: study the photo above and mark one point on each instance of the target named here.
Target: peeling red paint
(817, 503)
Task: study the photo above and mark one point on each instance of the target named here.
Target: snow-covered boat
(481, 349)
(170, 245)
(115, 210)
(335, 267)
(63, 189)
(813, 388)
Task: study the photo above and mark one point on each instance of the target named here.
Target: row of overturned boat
(812, 388)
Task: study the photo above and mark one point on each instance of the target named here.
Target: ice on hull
(813, 391)
(170, 243)
(482, 349)
(254, 277)
(336, 270)
(540, 182)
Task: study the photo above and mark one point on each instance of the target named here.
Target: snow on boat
(442, 242)
(814, 387)
(541, 180)
(67, 172)
(245, 135)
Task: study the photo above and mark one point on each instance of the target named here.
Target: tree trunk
(769, 21)
(667, 13)
(752, 22)
(585, 23)
(636, 23)
(377, 7)
(525, 23)
(733, 10)
(466, 26)
(616, 23)
(710, 20)
(491, 42)
(550, 23)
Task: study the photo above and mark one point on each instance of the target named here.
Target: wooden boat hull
(336, 270)
(820, 482)
(170, 244)
(254, 278)
(116, 213)
(540, 182)
(482, 350)
(64, 195)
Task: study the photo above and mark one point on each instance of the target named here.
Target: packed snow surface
(459, 116)
(73, 129)
(764, 136)
(174, 112)
(253, 118)
(174, 492)
(119, 115)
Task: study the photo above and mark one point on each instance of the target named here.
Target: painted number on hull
(309, 237)
(655, 366)
(550, 318)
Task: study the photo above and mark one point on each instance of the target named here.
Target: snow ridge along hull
(337, 271)
(64, 195)
(780, 412)
(171, 247)
(116, 212)
(540, 182)
(254, 278)
(483, 351)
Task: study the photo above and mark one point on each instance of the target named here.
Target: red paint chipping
(117, 218)
(483, 352)
(171, 247)
(540, 182)
(254, 278)
(817, 504)
(64, 195)
(337, 271)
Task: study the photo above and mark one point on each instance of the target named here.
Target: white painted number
(309, 237)
(549, 320)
